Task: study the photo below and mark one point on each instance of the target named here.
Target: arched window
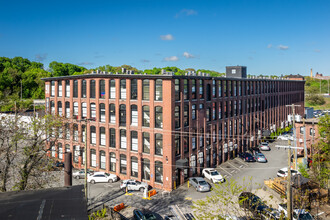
(93, 111)
(158, 90)
(102, 112)
(146, 142)
(122, 115)
(83, 88)
(134, 115)
(145, 169)
(102, 136)
(159, 172)
(92, 89)
(134, 167)
(67, 109)
(59, 108)
(112, 89)
(185, 89)
(146, 116)
(67, 148)
(123, 164)
(93, 134)
(93, 157)
(75, 132)
(102, 160)
(53, 149)
(83, 133)
(112, 162)
(112, 112)
(112, 137)
(145, 89)
(123, 89)
(158, 117)
(193, 89)
(75, 88)
(158, 144)
(102, 89)
(201, 89)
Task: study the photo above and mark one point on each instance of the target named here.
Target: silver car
(133, 185)
(264, 146)
(260, 157)
(200, 184)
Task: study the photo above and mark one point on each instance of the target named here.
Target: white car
(212, 175)
(284, 172)
(264, 146)
(101, 177)
(297, 213)
(285, 137)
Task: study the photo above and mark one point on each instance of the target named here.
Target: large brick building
(164, 128)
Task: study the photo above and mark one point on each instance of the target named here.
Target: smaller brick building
(311, 127)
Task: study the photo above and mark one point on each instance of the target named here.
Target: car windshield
(107, 174)
(264, 144)
(294, 171)
(214, 173)
(281, 171)
(260, 155)
(203, 182)
(305, 216)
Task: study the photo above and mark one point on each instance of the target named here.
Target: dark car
(247, 157)
(139, 215)
(251, 202)
(59, 164)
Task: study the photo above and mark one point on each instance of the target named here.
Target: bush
(315, 99)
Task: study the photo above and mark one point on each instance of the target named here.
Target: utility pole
(294, 132)
(86, 163)
(305, 146)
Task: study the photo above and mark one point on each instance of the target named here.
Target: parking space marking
(233, 166)
(241, 166)
(232, 171)
(225, 171)
(241, 162)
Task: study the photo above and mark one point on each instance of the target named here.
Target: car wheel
(92, 181)
(141, 189)
(110, 181)
(77, 177)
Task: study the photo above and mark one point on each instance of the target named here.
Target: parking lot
(110, 193)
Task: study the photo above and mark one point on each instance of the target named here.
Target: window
(207, 115)
(67, 88)
(134, 89)
(53, 150)
(158, 144)
(201, 89)
(83, 88)
(67, 148)
(93, 134)
(59, 108)
(112, 89)
(67, 109)
(102, 89)
(193, 140)
(93, 157)
(67, 131)
(201, 138)
(112, 162)
(52, 107)
(112, 113)
(177, 116)
(193, 89)
(102, 160)
(185, 143)
(135, 167)
(193, 164)
(177, 142)
(134, 141)
(75, 132)
(84, 110)
(123, 164)
(59, 92)
(146, 142)
(93, 111)
(112, 137)
(185, 89)
(219, 112)
(134, 115)
(193, 112)
(75, 110)
(233, 71)
(92, 89)
(52, 88)
(75, 88)
(213, 88)
(177, 89)
(213, 111)
(159, 172)
(102, 112)
(102, 136)
(158, 117)
(122, 115)
(146, 116)
(312, 131)
(145, 169)
(145, 89)
(301, 130)
(76, 153)
(158, 90)
(83, 133)
(123, 142)
(123, 89)
(60, 151)
(208, 92)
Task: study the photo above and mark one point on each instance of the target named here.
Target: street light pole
(86, 161)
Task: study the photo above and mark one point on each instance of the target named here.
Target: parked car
(269, 213)
(264, 146)
(200, 184)
(101, 177)
(247, 157)
(251, 202)
(80, 174)
(285, 137)
(212, 175)
(260, 157)
(284, 172)
(59, 164)
(296, 214)
(139, 215)
(133, 185)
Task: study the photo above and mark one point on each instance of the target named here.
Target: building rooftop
(310, 121)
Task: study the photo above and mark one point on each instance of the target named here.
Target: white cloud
(188, 55)
(167, 37)
(269, 46)
(172, 58)
(186, 12)
(283, 47)
(85, 63)
(41, 57)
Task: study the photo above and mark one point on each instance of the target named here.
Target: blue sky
(268, 36)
